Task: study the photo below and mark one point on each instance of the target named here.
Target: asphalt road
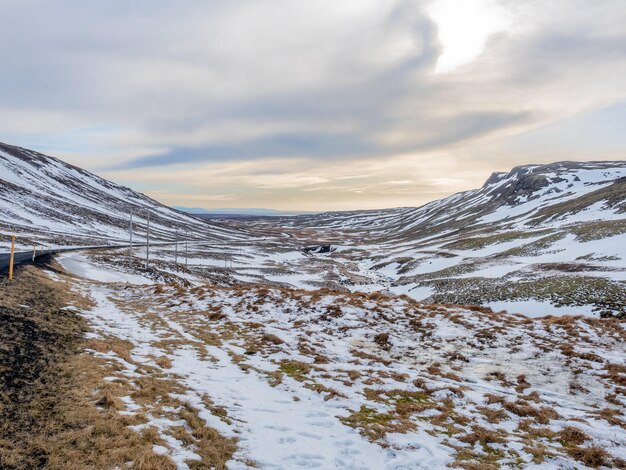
(21, 257)
(25, 257)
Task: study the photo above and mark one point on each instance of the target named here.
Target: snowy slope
(539, 239)
(352, 381)
(522, 195)
(46, 198)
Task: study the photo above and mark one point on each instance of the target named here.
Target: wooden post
(12, 257)
(186, 248)
(34, 251)
(148, 241)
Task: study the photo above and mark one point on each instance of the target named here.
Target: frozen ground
(323, 379)
(534, 308)
(83, 267)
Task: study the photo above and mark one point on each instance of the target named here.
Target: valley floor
(254, 376)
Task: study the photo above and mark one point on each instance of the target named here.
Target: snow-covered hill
(527, 196)
(539, 239)
(43, 198)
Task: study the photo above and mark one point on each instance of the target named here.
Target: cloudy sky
(312, 105)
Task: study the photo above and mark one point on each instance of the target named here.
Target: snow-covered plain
(304, 379)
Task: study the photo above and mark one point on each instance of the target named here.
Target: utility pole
(148, 241)
(176, 249)
(130, 245)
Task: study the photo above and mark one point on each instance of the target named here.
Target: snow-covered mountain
(527, 196)
(535, 239)
(43, 198)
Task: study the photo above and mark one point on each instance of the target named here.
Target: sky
(312, 105)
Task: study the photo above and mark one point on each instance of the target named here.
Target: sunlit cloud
(464, 28)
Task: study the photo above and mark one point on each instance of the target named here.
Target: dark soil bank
(36, 337)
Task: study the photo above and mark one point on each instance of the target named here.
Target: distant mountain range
(240, 212)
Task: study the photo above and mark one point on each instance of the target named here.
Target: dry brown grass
(593, 456)
(483, 436)
(492, 415)
(539, 453)
(216, 316)
(533, 396)
(164, 362)
(81, 430)
(148, 460)
(382, 340)
(570, 351)
(370, 357)
(69, 416)
(571, 435)
(353, 374)
(612, 416)
(214, 448)
(536, 433)
(522, 408)
(272, 339)
(498, 376)
(491, 399)
(616, 373)
(119, 347)
(456, 356)
(522, 384)
(153, 390)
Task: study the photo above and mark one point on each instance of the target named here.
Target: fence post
(34, 251)
(186, 248)
(12, 257)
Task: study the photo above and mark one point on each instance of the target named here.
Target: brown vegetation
(56, 412)
(56, 409)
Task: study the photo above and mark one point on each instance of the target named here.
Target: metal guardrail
(16, 258)
(26, 257)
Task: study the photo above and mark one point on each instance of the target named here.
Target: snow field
(332, 393)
